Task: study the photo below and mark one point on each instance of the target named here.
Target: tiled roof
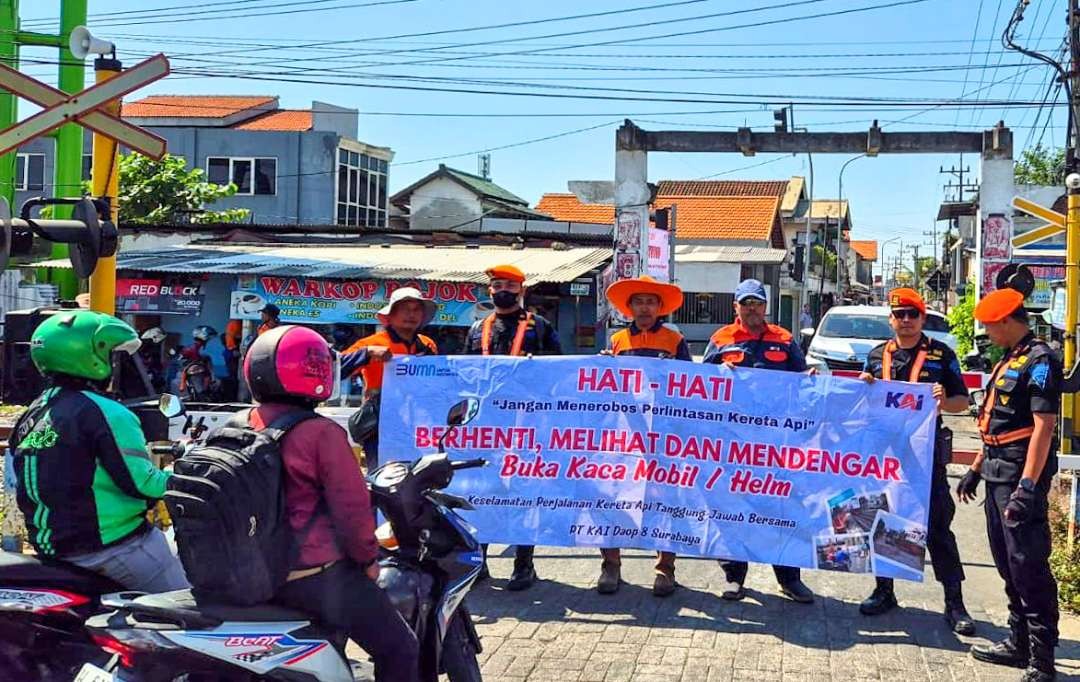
(722, 188)
(866, 248)
(195, 106)
(484, 187)
(566, 207)
(729, 218)
(283, 120)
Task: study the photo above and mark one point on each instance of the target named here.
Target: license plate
(91, 673)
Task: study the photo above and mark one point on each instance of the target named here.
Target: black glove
(1020, 506)
(968, 485)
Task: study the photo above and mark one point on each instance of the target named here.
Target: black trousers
(344, 598)
(735, 571)
(523, 555)
(1021, 553)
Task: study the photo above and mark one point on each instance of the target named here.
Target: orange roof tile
(194, 106)
(722, 188)
(740, 217)
(567, 207)
(866, 248)
(283, 120)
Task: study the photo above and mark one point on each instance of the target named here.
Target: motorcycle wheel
(458, 653)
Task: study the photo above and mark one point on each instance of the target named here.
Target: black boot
(955, 613)
(1036, 675)
(524, 574)
(1041, 666)
(881, 600)
(1006, 652)
(484, 574)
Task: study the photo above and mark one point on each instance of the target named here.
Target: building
(451, 199)
(860, 260)
(290, 166)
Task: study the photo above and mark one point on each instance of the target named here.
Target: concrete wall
(442, 203)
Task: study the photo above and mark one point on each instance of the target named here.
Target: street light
(881, 261)
(840, 217)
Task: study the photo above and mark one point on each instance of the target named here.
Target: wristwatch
(1027, 485)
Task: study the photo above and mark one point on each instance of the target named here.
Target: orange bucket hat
(619, 293)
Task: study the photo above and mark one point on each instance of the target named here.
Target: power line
(105, 15)
(974, 35)
(986, 61)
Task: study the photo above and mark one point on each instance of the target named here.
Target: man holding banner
(912, 356)
(645, 301)
(752, 342)
(511, 330)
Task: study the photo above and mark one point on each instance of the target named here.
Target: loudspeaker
(83, 43)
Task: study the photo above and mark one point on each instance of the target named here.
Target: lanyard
(991, 396)
(886, 364)
(519, 335)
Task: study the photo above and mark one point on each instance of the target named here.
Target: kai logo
(903, 401)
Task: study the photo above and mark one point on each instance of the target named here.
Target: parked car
(848, 333)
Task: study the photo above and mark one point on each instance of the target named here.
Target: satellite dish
(1016, 276)
(83, 43)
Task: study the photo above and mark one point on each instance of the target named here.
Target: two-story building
(290, 166)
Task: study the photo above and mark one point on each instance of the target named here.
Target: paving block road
(563, 631)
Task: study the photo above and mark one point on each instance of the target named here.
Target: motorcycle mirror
(463, 412)
(170, 405)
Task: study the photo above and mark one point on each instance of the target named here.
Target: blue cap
(750, 288)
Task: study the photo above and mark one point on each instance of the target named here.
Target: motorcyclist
(202, 335)
(335, 567)
(195, 355)
(85, 479)
(152, 354)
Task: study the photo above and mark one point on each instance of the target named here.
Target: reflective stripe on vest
(519, 335)
(886, 363)
(988, 406)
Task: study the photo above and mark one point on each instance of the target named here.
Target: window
(30, 172)
(361, 190)
(87, 166)
(250, 175)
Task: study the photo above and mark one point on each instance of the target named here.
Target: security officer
(912, 356)
(402, 317)
(752, 342)
(511, 330)
(645, 301)
(1018, 461)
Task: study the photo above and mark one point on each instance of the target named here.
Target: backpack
(227, 502)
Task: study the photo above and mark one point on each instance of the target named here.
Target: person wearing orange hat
(512, 330)
(750, 341)
(645, 301)
(1018, 461)
(912, 356)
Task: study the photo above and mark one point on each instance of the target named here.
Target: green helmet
(81, 343)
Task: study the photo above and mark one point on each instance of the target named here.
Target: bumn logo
(903, 401)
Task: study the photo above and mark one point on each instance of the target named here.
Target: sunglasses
(906, 314)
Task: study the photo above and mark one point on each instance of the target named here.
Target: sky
(665, 64)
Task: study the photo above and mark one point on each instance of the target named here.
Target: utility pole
(960, 186)
(933, 235)
(1072, 254)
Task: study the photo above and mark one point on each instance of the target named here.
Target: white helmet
(153, 335)
(204, 332)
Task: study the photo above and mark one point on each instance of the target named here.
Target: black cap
(271, 309)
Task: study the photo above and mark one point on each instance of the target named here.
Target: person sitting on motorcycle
(334, 571)
(202, 335)
(85, 479)
(151, 353)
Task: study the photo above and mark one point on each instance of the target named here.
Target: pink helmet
(290, 361)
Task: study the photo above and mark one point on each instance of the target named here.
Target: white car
(848, 333)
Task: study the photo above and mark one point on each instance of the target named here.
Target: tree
(166, 192)
(1040, 166)
(962, 322)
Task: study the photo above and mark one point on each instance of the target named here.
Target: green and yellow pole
(1072, 302)
(9, 56)
(105, 180)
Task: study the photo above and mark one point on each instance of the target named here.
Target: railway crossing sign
(84, 108)
(1055, 222)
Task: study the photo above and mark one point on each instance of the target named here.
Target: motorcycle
(429, 562)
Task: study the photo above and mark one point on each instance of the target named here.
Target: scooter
(430, 560)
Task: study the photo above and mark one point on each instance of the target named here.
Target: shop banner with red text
(597, 451)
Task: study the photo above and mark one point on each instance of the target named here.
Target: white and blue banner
(596, 451)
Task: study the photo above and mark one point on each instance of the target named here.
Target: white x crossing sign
(84, 108)
(1055, 222)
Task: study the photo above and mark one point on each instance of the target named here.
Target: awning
(397, 261)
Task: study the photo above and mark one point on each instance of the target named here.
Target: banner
(659, 261)
(154, 297)
(327, 301)
(758, 465)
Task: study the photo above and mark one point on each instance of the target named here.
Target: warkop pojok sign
(594, 451)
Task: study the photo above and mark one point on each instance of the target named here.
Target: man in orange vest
(914, 357)
(405, 313)
(645, 301)
(511, 330)
(1018, 462)
(752, 342)
(269, 315)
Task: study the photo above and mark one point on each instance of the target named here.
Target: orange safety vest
(519, 334)
(988, 407)
(663, 340)
(372, 372)
(886, 363)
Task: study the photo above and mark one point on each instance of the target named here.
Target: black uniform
(538, 337)
(1026, 381)
(939, 366)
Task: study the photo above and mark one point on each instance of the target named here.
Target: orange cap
(997, 305)
(510, 272)
(907, 298)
